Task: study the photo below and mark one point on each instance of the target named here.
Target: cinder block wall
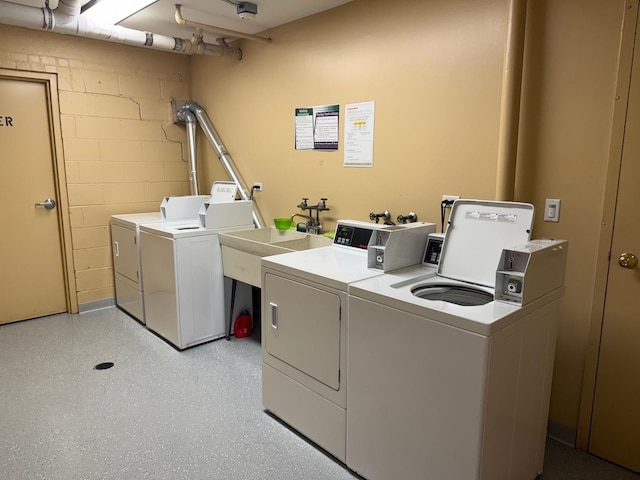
(122, 154)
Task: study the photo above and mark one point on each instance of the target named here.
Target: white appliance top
(330, 266)
(477, 233)
(394, 290)
(338, 265)
(134, 219)
(186, 228)
(345, 261)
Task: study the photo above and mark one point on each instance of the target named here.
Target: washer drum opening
(465, 296)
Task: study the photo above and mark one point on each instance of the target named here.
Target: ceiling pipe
(510, 102)
(66, 19)
(223, 155)
(210, 28)
(70, 8)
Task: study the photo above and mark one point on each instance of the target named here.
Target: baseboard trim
(562, 433)
(97, 305)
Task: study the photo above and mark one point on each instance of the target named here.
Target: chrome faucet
(313, 225)
(377, 216)
(408, 218)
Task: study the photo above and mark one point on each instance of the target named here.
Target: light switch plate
(552, 210)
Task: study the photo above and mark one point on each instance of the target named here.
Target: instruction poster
(317, 128)
(358, 134)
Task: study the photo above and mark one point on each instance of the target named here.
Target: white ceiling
(159, 17)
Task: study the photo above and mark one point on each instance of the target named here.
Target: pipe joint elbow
(185, 115)
(178, 15)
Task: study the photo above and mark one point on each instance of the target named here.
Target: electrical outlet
(450, 198)
(257, 186)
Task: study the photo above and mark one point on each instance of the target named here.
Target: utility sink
(304, 243)
(242, 250)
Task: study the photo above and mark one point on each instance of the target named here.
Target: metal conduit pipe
(223, 156)
(66, 20)
(185, 115)
(210, 28)
(510, 103)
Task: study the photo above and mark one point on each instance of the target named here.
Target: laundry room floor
(159, 413)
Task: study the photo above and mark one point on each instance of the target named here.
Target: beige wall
(567, 115)
(434, 69)
(121, 153)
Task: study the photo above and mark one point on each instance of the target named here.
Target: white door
(32, 283)
(615, 423)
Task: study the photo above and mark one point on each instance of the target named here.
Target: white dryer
(445, 381)
(125, 238)
(305, 323)
(184, 293)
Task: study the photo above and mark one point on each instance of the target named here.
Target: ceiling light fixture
(113, 12)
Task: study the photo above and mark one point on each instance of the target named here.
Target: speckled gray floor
(159, 413)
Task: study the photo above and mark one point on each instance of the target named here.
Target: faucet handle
(409, 218)
(377, 216)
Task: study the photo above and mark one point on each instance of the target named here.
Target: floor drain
(104, 366)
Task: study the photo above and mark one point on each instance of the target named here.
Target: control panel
(434, 248)
(352, 236)
(527, 272)
(388, 247)
(398, 246)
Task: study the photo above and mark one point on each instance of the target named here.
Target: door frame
(50, 82)
(614, 164)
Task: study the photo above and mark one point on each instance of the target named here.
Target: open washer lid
(478, 231)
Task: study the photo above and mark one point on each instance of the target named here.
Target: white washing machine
(305, 323)
(125, 238)
(184, 293)
(444, 380)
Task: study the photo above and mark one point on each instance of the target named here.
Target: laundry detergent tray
(477, 232)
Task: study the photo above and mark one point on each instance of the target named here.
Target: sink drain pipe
(221, 151)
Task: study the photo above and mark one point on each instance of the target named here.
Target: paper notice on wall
(358, 134)
(304, 128)
(317, 128)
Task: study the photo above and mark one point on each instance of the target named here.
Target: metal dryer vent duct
(191, 113)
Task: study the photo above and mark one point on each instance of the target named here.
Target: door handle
(116, 249)
(274, 315)
(49, 204)
(628, 260)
